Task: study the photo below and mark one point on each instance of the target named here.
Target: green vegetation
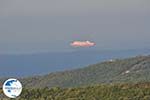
(119, 79)
(131, 70)
(140, 91)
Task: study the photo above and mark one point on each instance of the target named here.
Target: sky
(28, 26)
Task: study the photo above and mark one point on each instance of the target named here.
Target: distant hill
(130, 70)
(14, 65)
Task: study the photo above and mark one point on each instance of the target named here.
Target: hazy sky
(50, 25)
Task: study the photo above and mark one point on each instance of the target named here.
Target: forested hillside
(116, 79)
(140, 91)
(131, 70)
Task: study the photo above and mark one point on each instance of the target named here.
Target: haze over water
(33, 31)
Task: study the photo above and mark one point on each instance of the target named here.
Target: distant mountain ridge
(21, 65)
(135, 69)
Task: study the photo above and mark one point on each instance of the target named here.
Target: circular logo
(12, 88)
